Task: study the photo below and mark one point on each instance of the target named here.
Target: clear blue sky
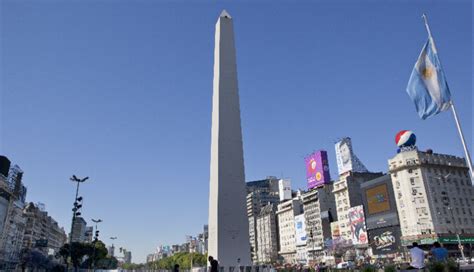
(121, 92)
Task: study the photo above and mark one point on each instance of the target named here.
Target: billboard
(385, 240)
(346, 159)
(377, 199)
(300, 229)
(317, 169)
(357, 224)
(344, 155)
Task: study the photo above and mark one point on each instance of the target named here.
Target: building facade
(286, 213)
(267, 235)
(319, 211)
(259, 194)
(127, 256)
(434, 197)
(79, 230)
(42, 231)
(347, 194)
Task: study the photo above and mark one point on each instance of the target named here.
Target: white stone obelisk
(228, 224)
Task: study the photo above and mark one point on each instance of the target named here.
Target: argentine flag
(427, 86)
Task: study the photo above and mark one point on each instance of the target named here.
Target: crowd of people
(418, 255)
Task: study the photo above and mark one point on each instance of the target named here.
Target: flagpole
(426, 25)
(456, 118)
(461, 135)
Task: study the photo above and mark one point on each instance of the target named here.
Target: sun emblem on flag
(427, 72)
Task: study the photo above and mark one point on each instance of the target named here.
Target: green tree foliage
(182, 259)
(95, 253)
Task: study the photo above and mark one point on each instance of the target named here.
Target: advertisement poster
(377, 199)
(344, 155)
(317, 169)
(357, 223)
(300, 228)
(384, 240)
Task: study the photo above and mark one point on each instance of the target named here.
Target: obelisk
(228, 224)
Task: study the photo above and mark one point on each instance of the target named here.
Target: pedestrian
(176, 268)
(440, 254)
(417, 257)
(214, 264)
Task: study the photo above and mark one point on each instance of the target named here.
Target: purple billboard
(317, 169)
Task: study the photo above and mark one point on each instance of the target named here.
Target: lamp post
(96, 238)
(77, 205)
(113, 247)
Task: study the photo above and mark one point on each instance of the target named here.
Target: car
(345, 265)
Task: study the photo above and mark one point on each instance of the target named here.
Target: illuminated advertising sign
(377, 199)
(357, 223)
(317, 169)
(385, 240)
(300, 229)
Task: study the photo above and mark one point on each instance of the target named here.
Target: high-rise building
(15, 177)
(111, 252)
(319, 211)
(284, 189)
(4, 167)
(228, 224)
(89, 234)
(42, 231)
(347, 193)
(202, 238)
(269, 184)
(79, 229)
(286, 213)
(127, 256)
(11, 240)
(267, 235)
(434, 197)
(260, 194)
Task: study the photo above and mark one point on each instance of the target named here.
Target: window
(410, 171)
(412, 181)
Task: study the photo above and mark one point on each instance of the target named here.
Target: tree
(34, 259)
(182, 259)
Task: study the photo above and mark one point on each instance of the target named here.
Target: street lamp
(77, 205)
(113, 247)
(96, 238)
